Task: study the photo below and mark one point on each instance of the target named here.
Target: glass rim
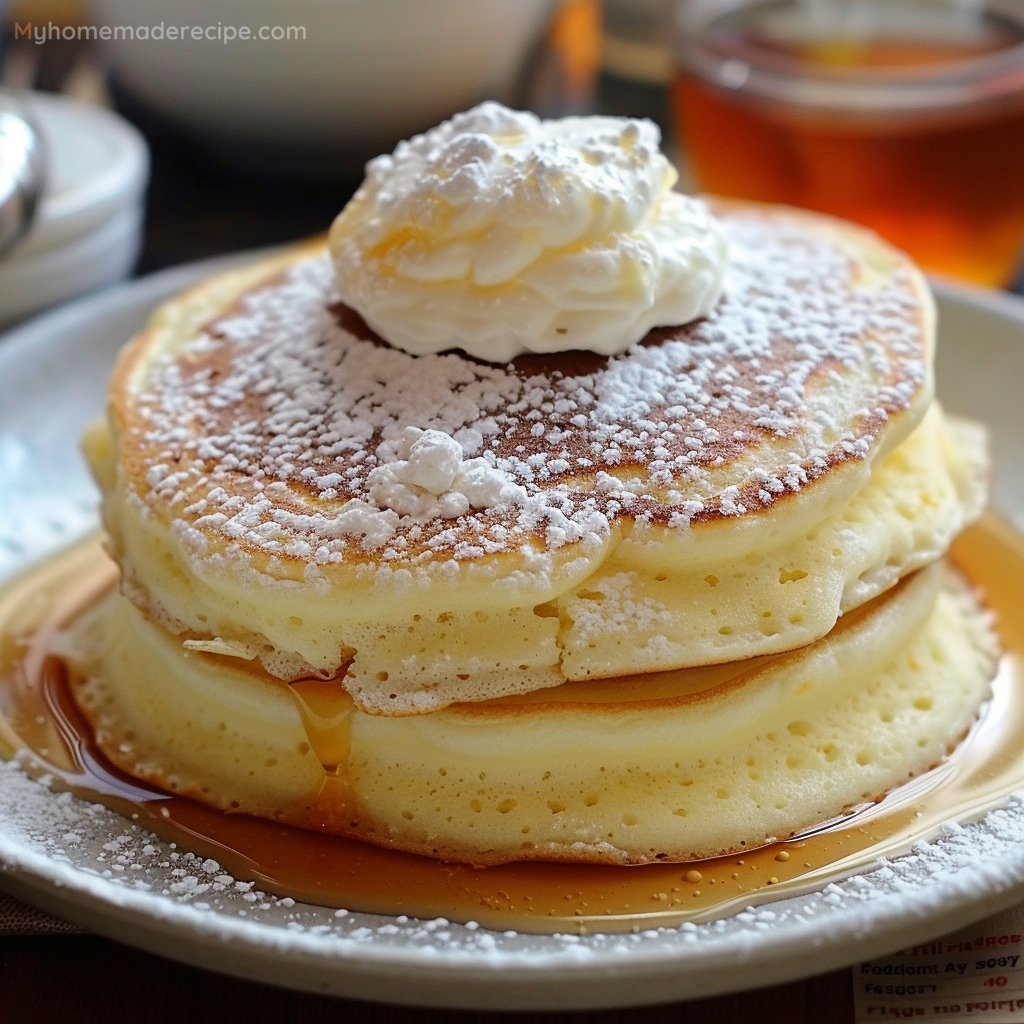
(756, 72)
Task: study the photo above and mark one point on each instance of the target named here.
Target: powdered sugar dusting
(97, 858)
(274, 427)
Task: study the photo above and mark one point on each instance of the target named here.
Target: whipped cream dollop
(423, 474)
(498, 233)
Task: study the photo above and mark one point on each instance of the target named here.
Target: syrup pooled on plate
(39, 719)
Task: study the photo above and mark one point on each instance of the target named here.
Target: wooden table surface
(88, 980)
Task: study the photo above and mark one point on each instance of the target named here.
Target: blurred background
(170, 137)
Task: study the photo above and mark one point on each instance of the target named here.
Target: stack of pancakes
(715, 613)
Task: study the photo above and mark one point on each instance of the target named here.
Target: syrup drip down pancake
(668, 766)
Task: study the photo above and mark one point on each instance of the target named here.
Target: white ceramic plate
(92, 867)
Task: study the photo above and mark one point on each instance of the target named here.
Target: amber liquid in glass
(945, 186)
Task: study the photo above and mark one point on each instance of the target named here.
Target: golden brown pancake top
(261, 429)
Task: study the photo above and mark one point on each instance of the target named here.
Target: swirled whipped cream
(498, 233)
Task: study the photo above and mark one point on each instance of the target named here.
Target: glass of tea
(904, 115)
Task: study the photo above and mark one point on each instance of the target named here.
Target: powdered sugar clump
(424, 476)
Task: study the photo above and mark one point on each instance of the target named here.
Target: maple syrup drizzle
(39, 718)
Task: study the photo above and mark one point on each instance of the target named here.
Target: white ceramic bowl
(97, 166)
(87, 231)
(368, 73)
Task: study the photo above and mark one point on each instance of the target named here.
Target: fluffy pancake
(720, 490)
(675, 766)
